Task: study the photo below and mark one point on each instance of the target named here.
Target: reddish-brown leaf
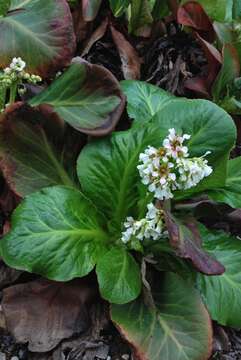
(131, 64)
(202, 84)
(44, 312)
(97, 35)
(193, 15)
(214, 59)
(81, 27)
(35, 145)
(186, 241)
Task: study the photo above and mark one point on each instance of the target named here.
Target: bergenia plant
(135, 219)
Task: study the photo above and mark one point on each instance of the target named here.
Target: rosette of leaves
(64, 232)
(39, 31)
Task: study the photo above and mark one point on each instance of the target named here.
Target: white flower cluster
(12, 81)
(164, 170)
(150, 227)
(15, 73)
(169, 168)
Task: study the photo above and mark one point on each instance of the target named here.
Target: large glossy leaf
(40, 32)
(222, 294)
(177, 328)
(108, 173)
(211, 129)
(118, 276)
(231, 192)
(119, 6)
(57, 233)
(144, 100)
(87, 97)
(35, 150)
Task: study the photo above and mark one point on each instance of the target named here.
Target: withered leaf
(44, 312)
(131, 64)
(97, 35)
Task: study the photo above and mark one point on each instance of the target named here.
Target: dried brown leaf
(131, 64)
(44, 312)
(97, 35)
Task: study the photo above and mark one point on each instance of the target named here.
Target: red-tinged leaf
(35, 151)
(43, 312)
(214, 59)
(199, 86)
(81, 27)
(90, 9)
(131, 64)
(40, 32)
(202, 84)
(193, 15)
(186, 241)
(94, 102)
(176, 327)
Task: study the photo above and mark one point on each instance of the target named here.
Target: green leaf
(56, 233)
(144, 100)
(219, 10)
(160, 9)
(222, 294)
(118, 276)
(231, 193)
(90, 9)
(35, 150)
(178, 328)
(4, 6)
(92, 104)
(119, 6)
(236, 9)
(229, 71)
(40, 32)
(211, 129)
(107, 170)
(140, 16)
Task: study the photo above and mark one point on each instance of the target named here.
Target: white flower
(7, 70)
(168, 168)
(150, 227)
(17, 64)
(192, 171)
(174, 144)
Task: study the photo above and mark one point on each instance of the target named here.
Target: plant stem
(13, 93)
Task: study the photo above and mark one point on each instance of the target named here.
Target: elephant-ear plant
(134, 219)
